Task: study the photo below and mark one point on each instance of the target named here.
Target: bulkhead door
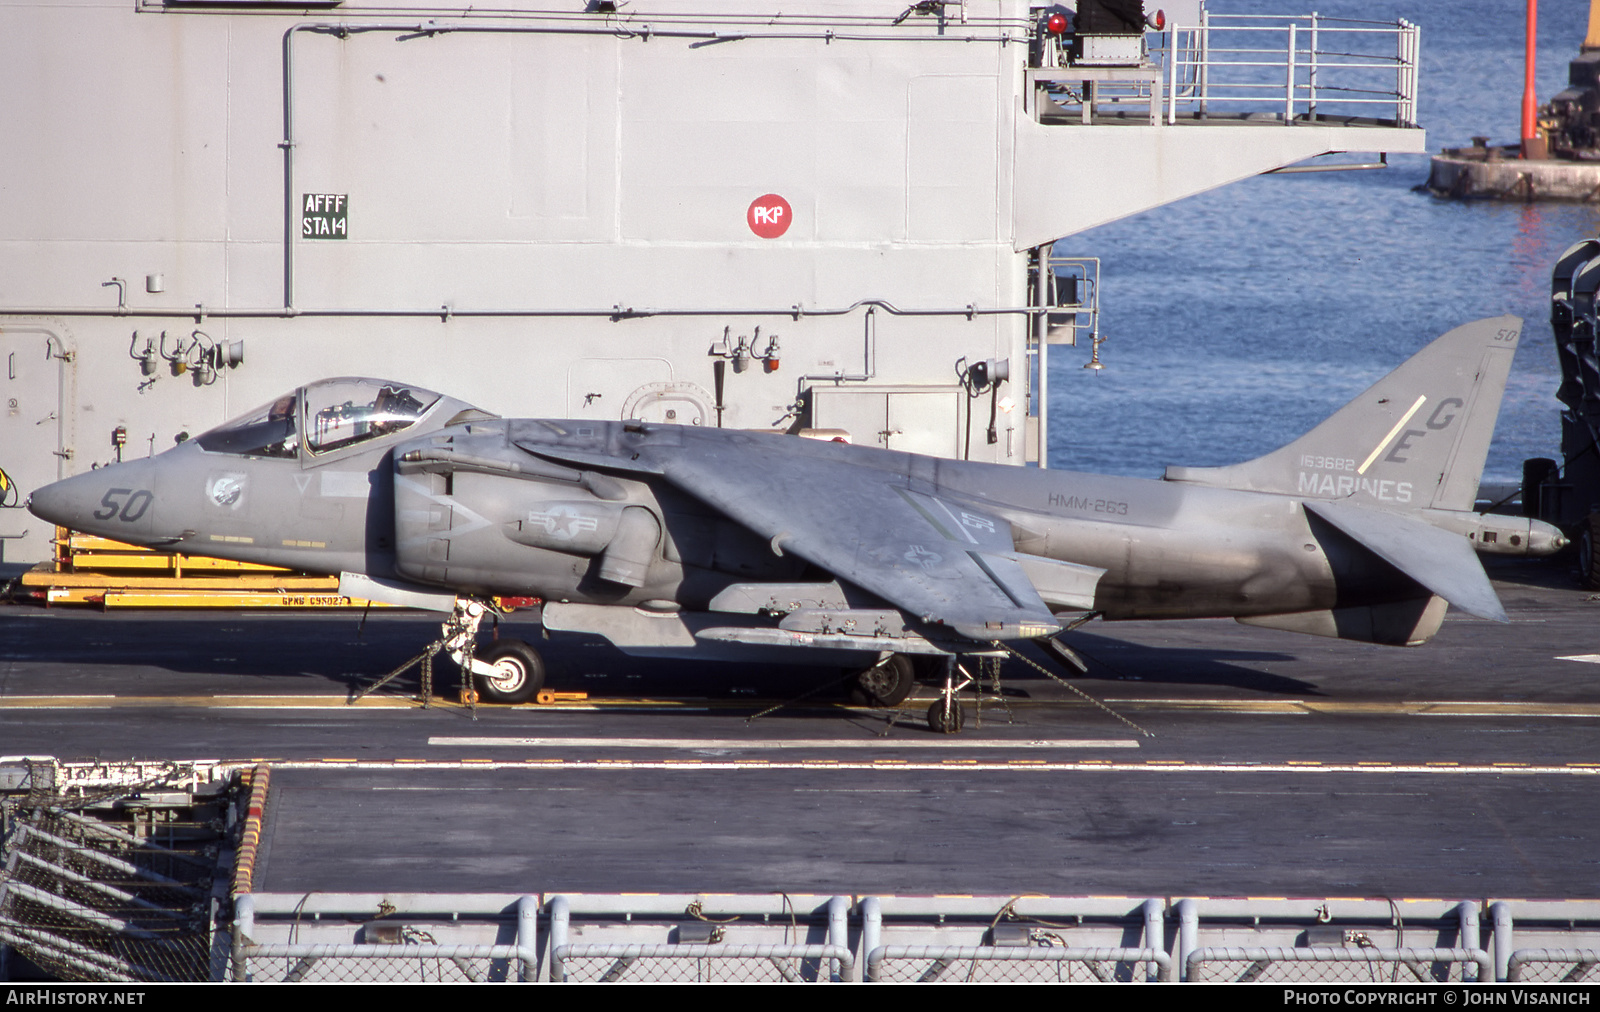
(36, 382)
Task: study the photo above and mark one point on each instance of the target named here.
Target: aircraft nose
(63, 502)
(112, 501)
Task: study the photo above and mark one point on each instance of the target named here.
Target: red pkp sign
(769, 216)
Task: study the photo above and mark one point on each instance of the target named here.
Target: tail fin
(1416, 438)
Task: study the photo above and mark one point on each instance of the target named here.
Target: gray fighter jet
(672, 540)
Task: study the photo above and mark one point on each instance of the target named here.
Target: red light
(1160, 20)
(1056, 24)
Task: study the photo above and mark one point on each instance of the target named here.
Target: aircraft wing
(932, 557)
(1444, 563)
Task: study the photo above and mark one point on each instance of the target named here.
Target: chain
(460, 631)
(1088, 698)
(990, 666)
(774, 708)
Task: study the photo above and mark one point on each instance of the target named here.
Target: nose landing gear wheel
(886, 684)
(518, 672)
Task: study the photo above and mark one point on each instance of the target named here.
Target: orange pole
(1529, 101)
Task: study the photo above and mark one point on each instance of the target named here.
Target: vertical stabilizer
(1416, 438)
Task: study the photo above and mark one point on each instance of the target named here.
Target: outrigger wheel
(886, 683)
(945, 715)
(518, 672)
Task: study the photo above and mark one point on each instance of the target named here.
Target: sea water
(1238, 319)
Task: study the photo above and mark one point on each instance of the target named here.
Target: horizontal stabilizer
(1062, 585)
(1063, 653)
(1443, 562)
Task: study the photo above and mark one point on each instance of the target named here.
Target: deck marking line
(1406, 708)
(394, 704)
(987, 766)
(770, 743)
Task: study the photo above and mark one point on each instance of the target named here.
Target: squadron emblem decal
(226, 490)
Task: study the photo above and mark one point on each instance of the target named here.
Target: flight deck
(1221, 790)
(1223, 760)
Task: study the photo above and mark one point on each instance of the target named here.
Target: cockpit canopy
(326, 416)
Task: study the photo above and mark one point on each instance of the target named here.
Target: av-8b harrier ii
(673, 540)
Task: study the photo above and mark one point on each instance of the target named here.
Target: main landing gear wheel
(945, 716)
(518, 672)
(885, 684)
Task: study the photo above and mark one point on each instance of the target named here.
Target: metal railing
(608, 963)
(926, 964)
(843, 939)
(712, 960)
(416, 956)
(1300, 68)
(1554, 966)
(1331, 964)
(815, 938)
(382, 964)
(1254, 68)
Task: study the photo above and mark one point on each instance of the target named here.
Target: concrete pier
(1498, 173)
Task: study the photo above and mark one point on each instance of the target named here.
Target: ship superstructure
(834, 216)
